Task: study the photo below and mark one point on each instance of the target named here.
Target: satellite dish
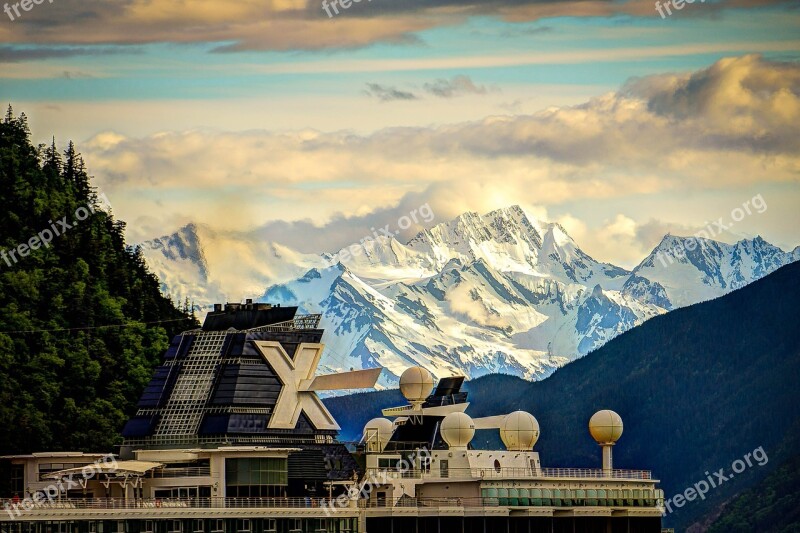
(416, 384)
(605, 426)
(457, 430)
(519, 431)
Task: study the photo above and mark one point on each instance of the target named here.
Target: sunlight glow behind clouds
(641, 141)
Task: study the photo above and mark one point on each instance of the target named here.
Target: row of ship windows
(215, 525)
(573, 497)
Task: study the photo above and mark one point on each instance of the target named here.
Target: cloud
(17, 54)
(733, 125)
(441, 88)
(457, 86)
(75, 74)
(294, 24)
(387, 93)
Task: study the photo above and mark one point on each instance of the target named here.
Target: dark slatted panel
(288, 339)
(158, 390)
(183, 349)
(308, 465)
(140, 426)
(246, 385)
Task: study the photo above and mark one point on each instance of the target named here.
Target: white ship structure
(230, 436)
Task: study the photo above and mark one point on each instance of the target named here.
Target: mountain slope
(697, 388)
(772, 506)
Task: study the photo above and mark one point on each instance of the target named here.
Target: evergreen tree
(82, 319)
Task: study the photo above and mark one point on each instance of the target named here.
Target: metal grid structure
(301, 322)
(185, 407)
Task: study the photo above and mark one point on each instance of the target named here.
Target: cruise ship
(231, 436)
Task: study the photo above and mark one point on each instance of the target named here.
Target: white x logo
(296, 375)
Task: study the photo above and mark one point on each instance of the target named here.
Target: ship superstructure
(230, 436)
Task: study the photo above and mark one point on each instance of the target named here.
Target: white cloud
(733, 125)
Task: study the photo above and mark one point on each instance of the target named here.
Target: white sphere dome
(457, 430)
(605, 426)
(519, 431)
(377, 433)
(416, 384)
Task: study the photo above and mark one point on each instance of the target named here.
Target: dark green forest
(697, 389)
(772, 506)
(82, 320)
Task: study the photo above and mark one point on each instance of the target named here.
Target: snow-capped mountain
(208, 266)
(500, 292)
(687, 270)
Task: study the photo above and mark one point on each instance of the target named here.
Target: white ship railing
(165, 503)
(535, 498)
(514, 473)
(560, 500)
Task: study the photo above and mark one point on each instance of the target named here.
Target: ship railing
(596, 473)
(564, 499)
(189, 471)
(30, 505)
(510, 473)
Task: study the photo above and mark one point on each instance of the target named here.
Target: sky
(273, 118)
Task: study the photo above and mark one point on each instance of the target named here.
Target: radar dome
(457, 430)
(605, 426)
(519, 431)
(416, 384)
(377, 433)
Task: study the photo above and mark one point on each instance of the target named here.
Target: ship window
(218, 525)
(18, 479)
(387, 463)
(243, 526)
(295, 525)
(270, 525)
(198, 526)
(175, 526)
(148, 526)
(425, 464)
(256, 471)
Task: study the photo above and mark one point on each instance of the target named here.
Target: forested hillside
(697, 389)
(82, 320)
